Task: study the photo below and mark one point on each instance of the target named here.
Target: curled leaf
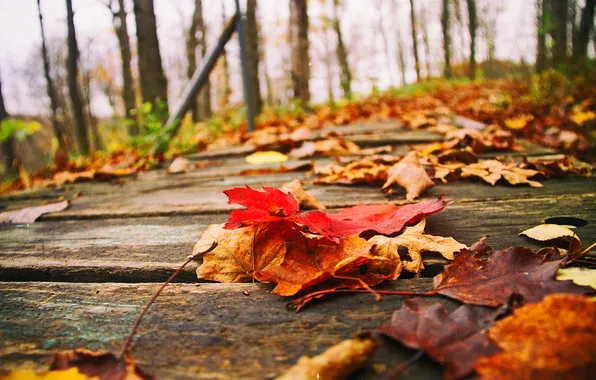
(30, 214)
(548, 232)
(305, 200)
(409, 174)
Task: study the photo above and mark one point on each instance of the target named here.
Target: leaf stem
(404, 366)
(135, 326)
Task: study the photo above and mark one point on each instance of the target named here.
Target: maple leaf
(492, 170)
(490, 282)
(409, 174)
(554, 339)
(456, 340)
(337, 362)
(360, 171)
(30, 214)
(414, 239)
(242, 252)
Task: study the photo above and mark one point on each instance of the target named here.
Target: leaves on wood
(335, 363)
(579, 276)
(306, 200)
(554, 339)
(414, 239)
(329, 147)
(473, 280)
(456, 340)
(359, 171)
(266, 157)
(178, 166)
(409, 174)
(99, 365)
(30, 214)
(299, 166)
(492, 171)
(549, 232)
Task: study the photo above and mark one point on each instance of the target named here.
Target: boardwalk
(79, 277)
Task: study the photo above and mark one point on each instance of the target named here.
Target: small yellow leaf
(431, 149)
(266, 157)
(67, 374)
(516, 123)
(579, 276)
(546, 232)
(581, 117)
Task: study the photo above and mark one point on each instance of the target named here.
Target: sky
(20, 39)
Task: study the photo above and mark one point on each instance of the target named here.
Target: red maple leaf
(272, 204)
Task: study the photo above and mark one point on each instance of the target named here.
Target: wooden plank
(149, 249)
(212, 331)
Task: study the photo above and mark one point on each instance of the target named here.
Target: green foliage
(550, 86)
(18, 129)
(151, 119)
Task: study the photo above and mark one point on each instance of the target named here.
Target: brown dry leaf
(548, 232)
(552, 339)
(464, 155)
(69, 177)
(306, 200)
(409, 174)
(359, 171)
(30, 214)
(558, 166)
(242, 252)
(99, 365)
(329, 147)
(336, 363)
(492, 170)
(414, 239)
(178, 166)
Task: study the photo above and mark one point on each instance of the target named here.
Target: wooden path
(78, 278)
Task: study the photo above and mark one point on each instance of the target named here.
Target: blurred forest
(110, 92)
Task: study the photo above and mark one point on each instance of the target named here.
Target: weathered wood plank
(212, 331)
(149, 249)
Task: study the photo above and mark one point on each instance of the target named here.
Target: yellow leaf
(579, 276)
(546, 232)
(516, 123)
(266, 157)
(67, 374)
(581, 117)
(431, 149)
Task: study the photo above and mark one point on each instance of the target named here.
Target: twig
(402, 367)
(135, 326)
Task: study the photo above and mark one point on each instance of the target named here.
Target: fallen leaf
(335, 363)
(99, 365)
(178, 166)
(473, 280)
(414, 239)
(329, 147)
(518, 123)
(207, 164)
(580, 118)
(551, 339)
(549, 232)
(306, 200)
(69, 177)
(456, 340)
(301, 166)
(242, 252)
(409, 174)
(360, 171)
(30, 214)
(266, 157)
(67, 374)
(492, 170)
(579, 276)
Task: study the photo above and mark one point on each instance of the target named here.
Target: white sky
(20, 37)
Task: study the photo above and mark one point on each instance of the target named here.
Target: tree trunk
(268, 84)
(154, 85)
(426, 42)
(384, 39)
(224, 86)
(559, 10)
(401, 60)
(128, 91)
(191, 55)
(582, 37)
(300, 58)
(7, 146)
(345, 78)
(205, 93)
(414, 39)
(542, 12)
(95, 138)
(473, 25)
(252, 52)
(56, 123)
(73, 83)
(445, 25)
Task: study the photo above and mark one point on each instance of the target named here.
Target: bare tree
(128, 91)
(491, 12)
(201, 109)
(445, 25)
(300, 58)
(7, 145)
(252, 52)
(73, 83)
(401, 60)
(154, 85)
(384, 39)
(542, 17)
(414, 39)
(426, 42)
(264, 66)
(56, 122)
(224, 86)
(582, 36)
(472, 25)
(559, 10)
(342, 54)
